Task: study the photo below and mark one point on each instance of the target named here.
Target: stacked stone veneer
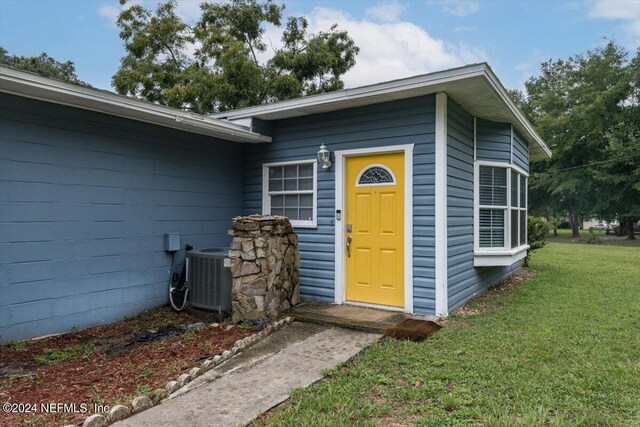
(264, 265)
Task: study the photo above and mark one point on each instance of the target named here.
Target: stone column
(264, 266)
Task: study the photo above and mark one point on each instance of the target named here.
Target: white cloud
(189, 10)
(465, 29)
(457, 7)
(615, 9)
(389, 50)
(109, 12)
(619, 10)
(387, 11)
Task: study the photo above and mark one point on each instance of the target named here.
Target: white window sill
(497, 258)
(305, 224)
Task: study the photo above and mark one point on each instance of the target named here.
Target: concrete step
(352, 317)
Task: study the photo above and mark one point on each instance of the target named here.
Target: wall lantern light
(324, 157)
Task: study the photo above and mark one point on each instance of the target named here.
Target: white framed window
(492, 207)
(500, 213)
(290, 189)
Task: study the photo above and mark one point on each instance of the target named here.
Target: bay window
(500, 227)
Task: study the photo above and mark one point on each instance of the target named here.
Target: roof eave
(34, 86)
(300, 106)
(356, 93)
(502, 92)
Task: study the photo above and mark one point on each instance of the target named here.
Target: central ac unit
(208, 276)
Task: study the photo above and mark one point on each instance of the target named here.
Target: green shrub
(537, 230)
(592, 239)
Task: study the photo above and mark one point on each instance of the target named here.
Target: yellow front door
(375, 229)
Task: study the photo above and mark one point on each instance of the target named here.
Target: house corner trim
(442, 300)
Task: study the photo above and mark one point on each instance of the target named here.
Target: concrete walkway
(237, 391)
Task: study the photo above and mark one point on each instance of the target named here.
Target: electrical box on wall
(171, 242)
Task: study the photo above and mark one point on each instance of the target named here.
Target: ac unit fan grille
(209, 280)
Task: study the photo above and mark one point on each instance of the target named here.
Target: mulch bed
(76, 368)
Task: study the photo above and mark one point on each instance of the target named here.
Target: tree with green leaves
(586, 107)
(618, 176)
(43, 65)
(222, 61)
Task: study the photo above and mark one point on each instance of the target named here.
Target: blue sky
(397, 38)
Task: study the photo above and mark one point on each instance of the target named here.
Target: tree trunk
(575, 227)
(630, 232)
(555, 232)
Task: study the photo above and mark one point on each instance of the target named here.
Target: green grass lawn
(563, 349)
(598, 237)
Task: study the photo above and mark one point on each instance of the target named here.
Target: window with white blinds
(492, 207)
(501, 208)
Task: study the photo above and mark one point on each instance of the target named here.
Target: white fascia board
(385, 88)
(34, 86)
(323, 102)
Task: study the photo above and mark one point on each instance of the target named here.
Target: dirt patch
(487, 301)
(412, 329)
(83, 368)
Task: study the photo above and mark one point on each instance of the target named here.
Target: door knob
(349, 240)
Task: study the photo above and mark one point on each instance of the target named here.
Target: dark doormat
(412, 329)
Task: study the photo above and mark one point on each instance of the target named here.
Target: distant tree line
(587, 108)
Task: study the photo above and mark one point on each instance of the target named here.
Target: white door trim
(340, 278)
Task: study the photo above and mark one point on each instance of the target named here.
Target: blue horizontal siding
(410, 121)
(85, 199)
(465, 287)
(493, 143)
(520, 152)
